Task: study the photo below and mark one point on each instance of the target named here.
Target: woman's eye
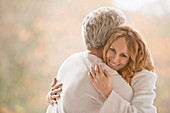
(123, 55)
(113, 50)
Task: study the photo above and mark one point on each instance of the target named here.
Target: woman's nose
(115, 59)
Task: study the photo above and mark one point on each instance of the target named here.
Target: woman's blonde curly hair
(140, 57)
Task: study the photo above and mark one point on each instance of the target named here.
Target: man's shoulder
(84, 57)
(73, 60)
(78, 54)
(75, 56)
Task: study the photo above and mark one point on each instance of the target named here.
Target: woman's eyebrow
(125, 53)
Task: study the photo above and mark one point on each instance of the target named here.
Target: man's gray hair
(99, 24)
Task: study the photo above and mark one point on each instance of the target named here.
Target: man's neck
(96, 52)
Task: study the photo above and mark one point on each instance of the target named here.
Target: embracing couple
(115, 74)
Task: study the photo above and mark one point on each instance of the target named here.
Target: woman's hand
(101, 80)
(52, 95)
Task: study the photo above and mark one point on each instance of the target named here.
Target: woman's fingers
(101, 70)
(50, 99)
(52, 95)
(101, 80)
(97, 69)
(54, 82)
(55, 91)
(55, 97)
(90, 76)
(107, 73)
(53, 101)
(98, 73)
(93, 73)
(56, 86)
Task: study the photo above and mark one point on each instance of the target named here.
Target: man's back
(78, 95)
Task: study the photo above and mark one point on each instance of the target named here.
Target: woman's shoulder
(146, 73)
(144, 79)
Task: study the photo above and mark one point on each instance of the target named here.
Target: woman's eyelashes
(122, 55)
(113, 50)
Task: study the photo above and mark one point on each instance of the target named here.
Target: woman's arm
(143, 85)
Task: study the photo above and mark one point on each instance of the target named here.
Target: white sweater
(79, 95)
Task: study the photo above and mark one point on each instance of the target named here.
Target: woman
(127, 53)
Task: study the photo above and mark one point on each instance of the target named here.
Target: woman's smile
(113, 65)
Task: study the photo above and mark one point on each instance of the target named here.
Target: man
(78, 95)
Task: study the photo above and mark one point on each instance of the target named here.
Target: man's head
(98, 26)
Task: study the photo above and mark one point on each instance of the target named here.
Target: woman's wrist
(106, 93)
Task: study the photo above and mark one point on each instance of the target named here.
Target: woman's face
(117, 55)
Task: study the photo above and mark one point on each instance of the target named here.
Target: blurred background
(36, 36)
